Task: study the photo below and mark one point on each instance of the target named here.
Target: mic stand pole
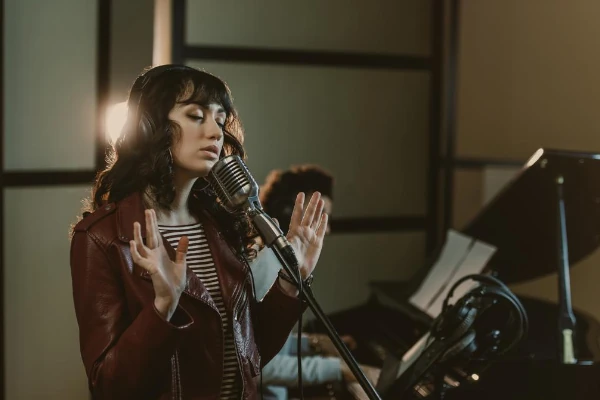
(566, 318)
(308, 296)
(260, 220)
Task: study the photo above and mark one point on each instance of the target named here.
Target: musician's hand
(326, 346)
(354, 388)
(371, 373)
(307, 229)
(168, 277)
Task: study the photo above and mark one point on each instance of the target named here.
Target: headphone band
(497, 288)
(144, 79)
(494, 282)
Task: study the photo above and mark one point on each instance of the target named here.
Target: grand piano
(521, 221)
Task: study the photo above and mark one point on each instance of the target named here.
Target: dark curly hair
(140, 160)
(278, 194)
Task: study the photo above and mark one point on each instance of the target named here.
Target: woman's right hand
(168, 277)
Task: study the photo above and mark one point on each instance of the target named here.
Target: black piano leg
(566, 317)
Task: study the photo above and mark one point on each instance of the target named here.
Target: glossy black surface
(521, 221)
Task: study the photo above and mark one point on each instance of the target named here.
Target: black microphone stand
(260, 219)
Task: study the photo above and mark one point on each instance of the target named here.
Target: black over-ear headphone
(135, 116)
(461, 323)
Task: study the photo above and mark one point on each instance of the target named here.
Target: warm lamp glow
(116, 115)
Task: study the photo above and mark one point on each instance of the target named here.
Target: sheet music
(454, 251)
(413, 354)
(474, 262)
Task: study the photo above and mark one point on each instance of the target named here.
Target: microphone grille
(232, 182)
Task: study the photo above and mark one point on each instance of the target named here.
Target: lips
(212, 149)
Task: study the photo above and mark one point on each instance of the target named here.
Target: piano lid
(522, 220)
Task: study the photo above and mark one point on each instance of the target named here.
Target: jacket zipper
(176, 378)
(235, 313)
(235, 310)
(223, 360)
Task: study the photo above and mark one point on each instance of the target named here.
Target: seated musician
(321, 363)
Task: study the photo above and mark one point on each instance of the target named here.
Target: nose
(214, 131)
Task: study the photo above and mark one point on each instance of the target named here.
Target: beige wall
(131, 44)
(49, 77)
(528, 78)
(50, 124)
(41, 343)
(382, 26)
(50, 109)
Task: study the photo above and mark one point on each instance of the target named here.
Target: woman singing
(161, 284)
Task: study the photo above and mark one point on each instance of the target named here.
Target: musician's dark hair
(279, 191)
(140, 160)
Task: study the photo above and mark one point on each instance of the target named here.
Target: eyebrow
(220, 110)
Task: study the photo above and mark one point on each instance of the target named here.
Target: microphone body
(237, 189)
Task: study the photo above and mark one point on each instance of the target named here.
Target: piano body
(521, 222)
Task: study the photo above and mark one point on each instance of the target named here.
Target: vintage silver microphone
(238, 191)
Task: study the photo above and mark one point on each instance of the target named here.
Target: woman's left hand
(307, 229)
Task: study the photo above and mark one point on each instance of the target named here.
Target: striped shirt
(199, 259)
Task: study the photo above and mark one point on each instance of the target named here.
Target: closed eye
(200, 118)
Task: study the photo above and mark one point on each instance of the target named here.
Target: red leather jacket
(130, 352)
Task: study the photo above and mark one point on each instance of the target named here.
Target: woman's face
(201, 138)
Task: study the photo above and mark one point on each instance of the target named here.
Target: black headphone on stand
(485, 323)
(457, 322)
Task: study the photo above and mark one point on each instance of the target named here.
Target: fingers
(350, 342)
(152, 238)
(138, 250)
(137, 237)
(136, 257)
(322, 226)
(156, 230)
(297, 213)
(276, 222)
(318, 214)
(311, 209)
(182, 248)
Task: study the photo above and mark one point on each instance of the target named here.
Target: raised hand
(168, 277)
(306, 232)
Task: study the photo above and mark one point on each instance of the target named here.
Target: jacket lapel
(231, 271)
(130, 210)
